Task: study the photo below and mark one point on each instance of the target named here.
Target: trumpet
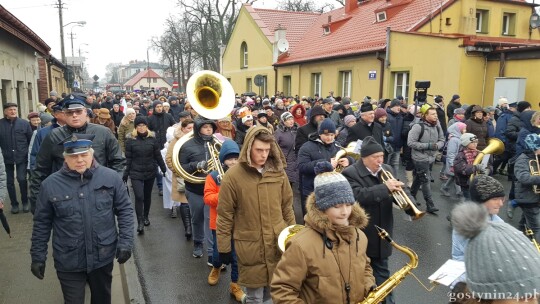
(400, 197)
(534, 167)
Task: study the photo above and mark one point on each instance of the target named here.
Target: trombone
(400, 197)
(534, 167)
(530, 233)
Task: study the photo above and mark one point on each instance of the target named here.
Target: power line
(34, 6)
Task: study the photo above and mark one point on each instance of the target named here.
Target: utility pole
(60, 7)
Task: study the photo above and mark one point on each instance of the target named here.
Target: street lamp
(62, 37)
(86, 44)
(71, 36)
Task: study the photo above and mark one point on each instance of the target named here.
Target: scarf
(470, 155)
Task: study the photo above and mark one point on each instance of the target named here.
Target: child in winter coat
(326, 261)
(463, 163)
(452, 148)
(228, 156)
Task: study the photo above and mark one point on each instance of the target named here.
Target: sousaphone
(212, 96)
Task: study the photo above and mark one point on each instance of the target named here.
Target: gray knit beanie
(484, 188)
(331, 188)
(501, 262)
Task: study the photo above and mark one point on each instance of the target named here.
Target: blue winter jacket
(80, 210)
(15, 138)
(40, 135)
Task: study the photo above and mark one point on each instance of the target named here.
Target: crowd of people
(239, 197)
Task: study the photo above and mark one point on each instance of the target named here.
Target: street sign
(372, 75)
(175, 84)
(95, 77)
(259, 80)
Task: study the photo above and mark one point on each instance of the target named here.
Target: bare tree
(307, 5)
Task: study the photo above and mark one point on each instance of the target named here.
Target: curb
(130, 282)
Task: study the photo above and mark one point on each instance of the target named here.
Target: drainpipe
(381, 78)
(387, 57)
(502, 64)
(275, 80)
(484, 80)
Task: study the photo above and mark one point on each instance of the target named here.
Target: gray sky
(115, 30)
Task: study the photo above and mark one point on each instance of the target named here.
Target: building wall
(58, 82)
(463, 20)
(260, 53)
(361, 85)
(160, 83)
(515, 68)
(438, 60)
(18, 73)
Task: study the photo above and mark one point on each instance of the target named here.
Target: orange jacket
(211, 192)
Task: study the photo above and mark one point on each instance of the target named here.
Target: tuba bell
(343, 152)
(212, 96)
(534, 167)
(495, 146)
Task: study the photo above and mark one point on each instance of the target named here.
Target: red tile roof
(296, 23)
(142, 74)
(360, 33)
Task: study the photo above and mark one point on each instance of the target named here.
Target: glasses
(73, 112)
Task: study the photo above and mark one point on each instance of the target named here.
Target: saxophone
(379, 293)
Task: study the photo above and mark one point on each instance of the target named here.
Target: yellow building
(379, 48)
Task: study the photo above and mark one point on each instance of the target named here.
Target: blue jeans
(257, 295)
(381, 274)
(393, 161)
(217, 263)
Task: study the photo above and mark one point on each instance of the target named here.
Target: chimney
(350, 5)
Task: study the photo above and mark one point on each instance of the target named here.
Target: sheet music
(485, 160)
(448, 272)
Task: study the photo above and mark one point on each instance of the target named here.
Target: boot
(409, 177)
(431, 207)
(213, 277)
(140, 225)
(237, 292)
(185, 214)
(173, 212)
(146, 221)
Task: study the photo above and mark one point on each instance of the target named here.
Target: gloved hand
(433, 147)
(201, 165)
(38, 269)
(122, 255)
(480, 169)
(225, 257)
(125, 178)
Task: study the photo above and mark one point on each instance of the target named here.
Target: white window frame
(346, 83)
(317, 83)
(401, 87)
(381, 16)
(244, 55)
(479, 17)
(326, 30)
(506, 24)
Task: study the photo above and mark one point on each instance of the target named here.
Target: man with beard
(425, 138)
(159, 122)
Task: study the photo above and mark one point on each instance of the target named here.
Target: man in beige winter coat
(255, 204)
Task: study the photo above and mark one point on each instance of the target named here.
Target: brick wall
(43, 80)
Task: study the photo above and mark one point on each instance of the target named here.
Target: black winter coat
(285, 138)
(512, 132)
(302, 136)
(310, 154)
(396, 125)
(194, 151)
(442, 118)
(361, 130)
(80, 210)
(159, 123)
(240, 133)
(175, 111)
(479, 129)
(450, 109)
(117, 117)
(50, 157)
(15, 138)
(376, 199)
(142, 153)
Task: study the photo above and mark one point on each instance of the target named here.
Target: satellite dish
(534, 21)
(283, 45)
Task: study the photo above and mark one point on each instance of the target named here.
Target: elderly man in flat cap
(50, 157)
(81, 203)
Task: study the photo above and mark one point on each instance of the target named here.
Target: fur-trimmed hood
(276, 161)
(133, 134)
(318, 220)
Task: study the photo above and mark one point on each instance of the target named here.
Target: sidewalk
(18, 285)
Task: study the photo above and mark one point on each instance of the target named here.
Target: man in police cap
(79, 203)
(50, 157)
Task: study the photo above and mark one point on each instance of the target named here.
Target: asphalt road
(169, 274)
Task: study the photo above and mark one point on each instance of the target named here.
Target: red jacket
(211, 192)
(299, 119)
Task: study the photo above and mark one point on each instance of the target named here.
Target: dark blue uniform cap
(78, 143)
(74, 101)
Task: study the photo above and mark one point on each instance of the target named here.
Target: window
(345, 77)
(243, 55)
(401, 83)
(155, 80)
(508, 24)
(264, 87)
(381, 16)
(287, 85)
(326, 30)
(482, 21)
(316, 81)
(249, 87)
